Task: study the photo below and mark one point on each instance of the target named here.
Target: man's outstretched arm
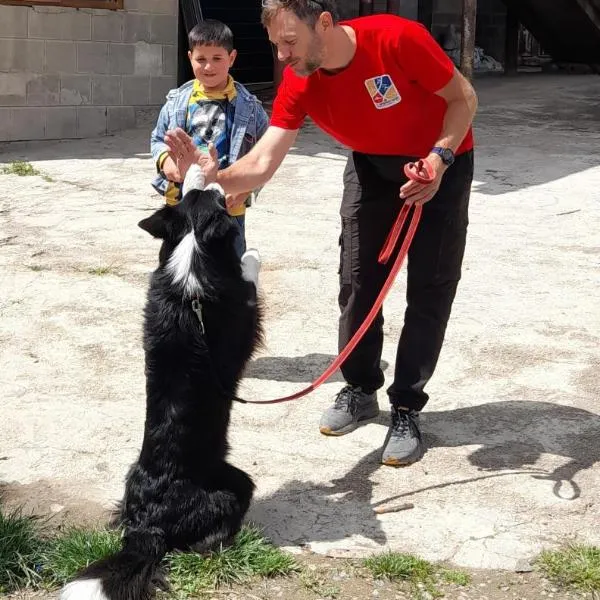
(250, 172)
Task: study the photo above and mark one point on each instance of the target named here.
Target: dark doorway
(255, 58)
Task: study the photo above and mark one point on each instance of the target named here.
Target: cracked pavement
(512, 427)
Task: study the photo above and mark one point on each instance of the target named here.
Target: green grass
(575, 566)
(21, 168)
(395, 565)
(101, 271)
(75, 549)
(19, 551)
(251, 555)
(455, 576)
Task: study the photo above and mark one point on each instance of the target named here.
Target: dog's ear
(159, 224)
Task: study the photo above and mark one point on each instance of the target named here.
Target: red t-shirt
(384, 101)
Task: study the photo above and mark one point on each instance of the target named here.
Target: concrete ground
(512, 427)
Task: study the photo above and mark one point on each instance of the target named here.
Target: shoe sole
(348, 429)
(404, 462)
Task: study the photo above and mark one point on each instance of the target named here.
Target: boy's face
(211, 65)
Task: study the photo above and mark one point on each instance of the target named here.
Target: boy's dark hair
(211, 33)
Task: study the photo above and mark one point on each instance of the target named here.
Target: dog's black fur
(181, 493)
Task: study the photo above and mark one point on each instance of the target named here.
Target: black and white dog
(202, 324)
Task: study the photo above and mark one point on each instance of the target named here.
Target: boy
(211, 109)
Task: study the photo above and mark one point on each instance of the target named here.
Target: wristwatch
(445, 154)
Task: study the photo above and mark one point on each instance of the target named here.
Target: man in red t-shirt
(383, 87)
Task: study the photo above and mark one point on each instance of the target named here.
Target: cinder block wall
(73, 73)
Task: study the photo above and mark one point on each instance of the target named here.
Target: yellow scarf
(228, 93)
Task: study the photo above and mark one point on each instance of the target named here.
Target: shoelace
(403, 423)
(346, 399)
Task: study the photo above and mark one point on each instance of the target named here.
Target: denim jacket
(249, 124)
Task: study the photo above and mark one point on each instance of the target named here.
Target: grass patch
(19, 551)
(20, 168)
(251, 555)
(318, 584)
(575, 566)
(101, 271)
(75, 549)
(455, 577)
(398, 566)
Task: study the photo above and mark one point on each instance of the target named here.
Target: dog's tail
(132, 573)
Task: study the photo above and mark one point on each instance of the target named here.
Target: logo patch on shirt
(383, 91)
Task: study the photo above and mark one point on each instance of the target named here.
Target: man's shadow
(512, 437)
(294, 369)
(301, 512)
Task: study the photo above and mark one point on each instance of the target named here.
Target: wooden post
(393, 7)
(511, 49)
(467, 50)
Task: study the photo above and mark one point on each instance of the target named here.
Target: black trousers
(369, 208)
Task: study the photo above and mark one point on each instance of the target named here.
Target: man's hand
(234, 200)
(185, 154)
(413, 192)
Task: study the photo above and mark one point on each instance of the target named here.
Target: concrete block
(21, 55)
(107, 27)
(13, 21)
(148, 59)
(61, 123)
(159, 86)
(163, 29)
(92, 57)
(106, 90)
(164, 7)
(43, 90)
(136, 28)
(169, 60)
(91, 121)
(121, 59)
(61, 57)
(146, 116)
(120, 117)
(136, 91)
(13, 89)
(5, 124)
(75, 89)
(27, 124)
(14, 85)
(64, 24)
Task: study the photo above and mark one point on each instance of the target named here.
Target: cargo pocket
(349, 252)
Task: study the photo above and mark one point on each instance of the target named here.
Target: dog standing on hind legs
(201, 326)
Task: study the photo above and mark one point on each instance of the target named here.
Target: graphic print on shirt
(383, 91)
(208, 123)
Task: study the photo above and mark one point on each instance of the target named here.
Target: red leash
(422, 172)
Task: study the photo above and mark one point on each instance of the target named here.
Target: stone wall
(72, 73)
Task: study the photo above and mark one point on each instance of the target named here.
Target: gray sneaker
(351, 406)
(403, 444)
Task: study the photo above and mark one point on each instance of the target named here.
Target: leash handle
(412, 228)
(420, 171)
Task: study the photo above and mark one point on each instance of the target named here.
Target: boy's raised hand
(185, 153)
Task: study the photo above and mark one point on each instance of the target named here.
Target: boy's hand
(169, 168)
(234, 200)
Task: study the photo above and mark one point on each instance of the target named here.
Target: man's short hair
(211, 33)
(306, 10)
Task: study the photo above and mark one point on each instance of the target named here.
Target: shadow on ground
(512, 437)
(294, 369)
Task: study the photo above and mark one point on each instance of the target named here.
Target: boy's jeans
(240, 240)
